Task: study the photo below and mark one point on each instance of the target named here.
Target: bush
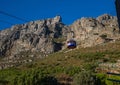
(34, 78)
(72, 70)
(84, 78)
(101, 79)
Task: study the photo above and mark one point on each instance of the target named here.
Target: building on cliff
(117, 3)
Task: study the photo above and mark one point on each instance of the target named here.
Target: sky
(69, 10)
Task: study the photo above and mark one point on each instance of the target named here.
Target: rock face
(90, 31)
(49, 35)
(33, 36)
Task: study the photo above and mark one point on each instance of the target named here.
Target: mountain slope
(36, 39)
(63, 68)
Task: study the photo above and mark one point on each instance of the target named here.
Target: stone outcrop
(33, 36)
(91, 31)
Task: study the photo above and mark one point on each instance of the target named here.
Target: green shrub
(84, 78)
(101, 79)
(72, 70)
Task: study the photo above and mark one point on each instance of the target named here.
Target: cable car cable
(7, 14)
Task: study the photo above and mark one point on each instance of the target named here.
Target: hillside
(65, 67)
(35, 53)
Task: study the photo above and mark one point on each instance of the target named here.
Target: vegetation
(85, 78)
(67, 67)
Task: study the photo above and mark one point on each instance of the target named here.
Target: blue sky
(69, 10)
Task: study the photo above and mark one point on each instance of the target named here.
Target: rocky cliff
(50, 35)
(91, 31)
(32, 36)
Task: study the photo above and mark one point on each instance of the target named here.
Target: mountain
(81, 66)
(36, 39)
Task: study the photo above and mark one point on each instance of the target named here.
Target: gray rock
(35, 35)
(88, 31)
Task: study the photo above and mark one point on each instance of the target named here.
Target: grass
(66, 62)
